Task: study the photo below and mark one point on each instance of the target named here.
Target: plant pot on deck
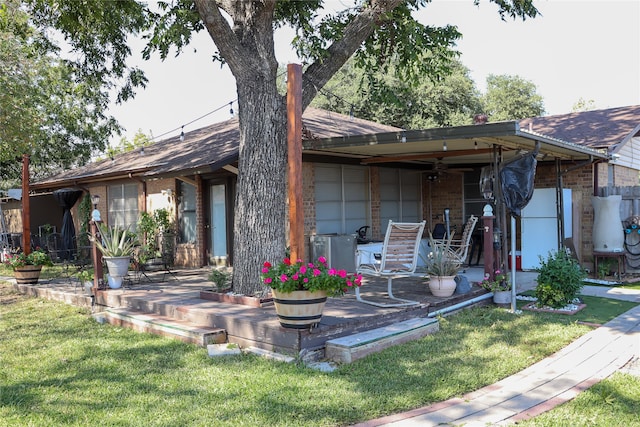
(118, 267)
(442, 286)
(502, 297)
(299, 309)
(27, 275)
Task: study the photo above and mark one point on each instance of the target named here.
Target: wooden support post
(294, 145)
(96, 257)
(487, 248)
(26, 207)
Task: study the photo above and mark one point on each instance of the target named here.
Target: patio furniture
(459, 248)
(399, 259)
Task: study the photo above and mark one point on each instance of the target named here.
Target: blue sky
(577, 49)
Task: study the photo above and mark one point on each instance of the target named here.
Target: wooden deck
(258, 326)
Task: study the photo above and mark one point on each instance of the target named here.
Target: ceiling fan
(440, 169)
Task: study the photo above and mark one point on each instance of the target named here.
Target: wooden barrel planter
(27, 275)
(299, 309)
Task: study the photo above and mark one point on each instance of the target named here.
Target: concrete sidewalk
(542, 386)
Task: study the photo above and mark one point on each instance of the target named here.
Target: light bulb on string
(444, 145)
(182, 134)
(231, 108)
(475, 145)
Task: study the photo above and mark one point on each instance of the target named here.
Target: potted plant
(442, 267)
(158, 231)
(300, 290)
(560, 278)
(500, 286)
(220, 279)
(26, 268)
(85, 277)
(117, 246)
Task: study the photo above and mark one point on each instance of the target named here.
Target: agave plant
(115, 241)
(442, 261)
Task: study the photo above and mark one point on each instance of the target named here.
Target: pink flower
(295, 276)
(332, 272)
(322, 260)
(283, 278)
(265, 270)
(303, 269)
(305, 280)
(349, 283)
(267, 264)
(267, 280)
(286, 261)
(316, 272)
(342, 273)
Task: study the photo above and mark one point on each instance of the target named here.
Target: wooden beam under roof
(432, 155)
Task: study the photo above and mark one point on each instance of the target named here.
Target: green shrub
(559, 280)
(220, 278)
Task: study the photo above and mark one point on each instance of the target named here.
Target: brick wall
(440, 194)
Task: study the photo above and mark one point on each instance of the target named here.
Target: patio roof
(452, 145)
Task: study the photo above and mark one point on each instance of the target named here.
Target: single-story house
(358, 173)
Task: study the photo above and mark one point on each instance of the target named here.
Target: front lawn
(60, 367)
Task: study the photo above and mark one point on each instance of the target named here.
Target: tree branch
(355, 33)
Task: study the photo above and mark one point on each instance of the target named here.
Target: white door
(218, 223)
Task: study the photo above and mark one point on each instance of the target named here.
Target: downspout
(460, 305)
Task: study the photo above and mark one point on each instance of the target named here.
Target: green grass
(60, 367)
(612, 402)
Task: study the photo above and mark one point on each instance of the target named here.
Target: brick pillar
(200, 232)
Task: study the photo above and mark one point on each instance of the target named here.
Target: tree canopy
(46, 111)
(511, 98)
(382, 34)
(448, 100)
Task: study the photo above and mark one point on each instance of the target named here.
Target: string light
(444, 145)
(182, 134)
(231, 108)
(475, 145)
(404, 136)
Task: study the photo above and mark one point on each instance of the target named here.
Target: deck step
(353, 347)
(160, 325)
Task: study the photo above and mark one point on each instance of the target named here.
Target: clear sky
(577, 49)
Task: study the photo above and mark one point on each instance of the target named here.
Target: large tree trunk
(246, 44)
(260, 227)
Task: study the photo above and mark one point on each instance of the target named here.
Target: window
(123, 205)
(400, 196)
(342, 198)
(187, 212)
(473, 200)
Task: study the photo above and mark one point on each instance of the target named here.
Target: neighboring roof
(203, 150)
(596, 129)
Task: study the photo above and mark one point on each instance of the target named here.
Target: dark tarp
(516, 179)
(67, 197)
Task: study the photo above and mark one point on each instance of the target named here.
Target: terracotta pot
(27, 275)
(299, 309)
(442, 286)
